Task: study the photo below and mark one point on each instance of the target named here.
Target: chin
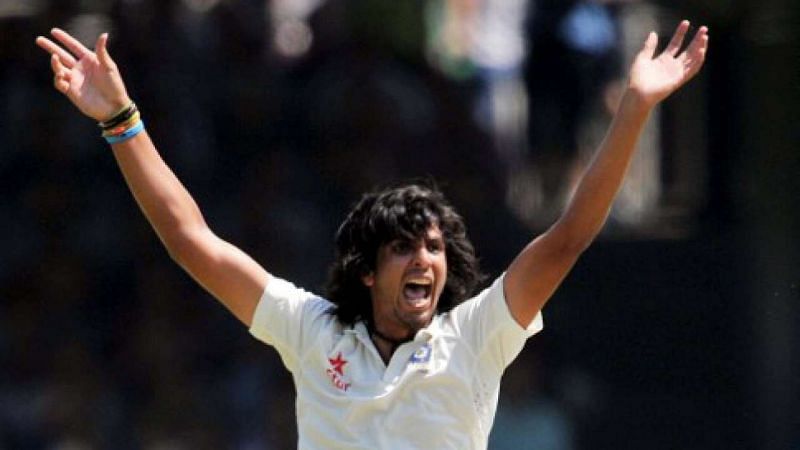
(419, 320)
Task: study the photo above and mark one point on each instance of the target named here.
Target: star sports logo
(336, 372)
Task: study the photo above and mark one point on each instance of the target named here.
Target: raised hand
(89, 79)
(654, 78)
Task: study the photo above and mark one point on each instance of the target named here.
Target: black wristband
(119, 118)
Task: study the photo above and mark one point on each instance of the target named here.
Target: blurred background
(679, 327)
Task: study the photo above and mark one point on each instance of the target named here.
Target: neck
(383, 337)
(386, 345)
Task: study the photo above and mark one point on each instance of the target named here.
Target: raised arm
(542, 265)
(93, 83)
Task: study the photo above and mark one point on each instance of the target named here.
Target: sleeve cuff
(260, 325)
(536, 325)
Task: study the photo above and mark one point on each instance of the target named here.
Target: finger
(698, 54)
(102, 51)
(699, 44)
(61, 85)
(71, 43)
(650, 45)
(53, 48)
(58, 68)
(695, 54)
(61, 76)
(677, 39)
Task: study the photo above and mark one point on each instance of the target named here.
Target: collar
(433, 330)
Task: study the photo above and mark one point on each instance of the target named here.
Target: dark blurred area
(679, 328)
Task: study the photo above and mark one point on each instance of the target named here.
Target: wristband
(119, 117)
(122, 127)
(127, 134)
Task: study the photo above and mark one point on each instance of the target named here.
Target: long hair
(405, 212)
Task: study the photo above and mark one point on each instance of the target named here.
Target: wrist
(115, 107)
(635, 102)
(123, 125)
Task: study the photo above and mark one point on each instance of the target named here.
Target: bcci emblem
(422, 355)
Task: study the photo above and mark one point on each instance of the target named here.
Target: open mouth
(418, 292)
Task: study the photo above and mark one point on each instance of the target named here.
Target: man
(394, 359)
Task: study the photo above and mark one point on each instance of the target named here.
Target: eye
(435, 246)
(400, 247)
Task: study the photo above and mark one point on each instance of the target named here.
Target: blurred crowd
(276, 115)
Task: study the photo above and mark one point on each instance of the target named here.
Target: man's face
(406, 284)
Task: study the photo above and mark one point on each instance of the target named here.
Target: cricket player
(399, 353)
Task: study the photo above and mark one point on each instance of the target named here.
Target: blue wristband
(127, 134)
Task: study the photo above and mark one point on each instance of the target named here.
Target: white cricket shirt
(438, 391)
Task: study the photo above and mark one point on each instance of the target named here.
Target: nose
(422, 257)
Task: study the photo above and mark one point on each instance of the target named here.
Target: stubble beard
(414, 321)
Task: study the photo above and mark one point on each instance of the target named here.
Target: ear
(368, 279)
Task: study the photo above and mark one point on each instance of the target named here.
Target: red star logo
(338, 363)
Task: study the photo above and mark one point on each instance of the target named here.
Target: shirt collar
(428, 333)
(433, 330)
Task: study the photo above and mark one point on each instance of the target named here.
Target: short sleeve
(485, 322)
(289, 319)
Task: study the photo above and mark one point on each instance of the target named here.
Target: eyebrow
(439, 238)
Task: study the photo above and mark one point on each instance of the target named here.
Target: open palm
(656, 77)
(89, 79)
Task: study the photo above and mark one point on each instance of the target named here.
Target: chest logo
(336, 372)
(421, 355)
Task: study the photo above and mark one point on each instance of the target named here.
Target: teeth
(418, 302)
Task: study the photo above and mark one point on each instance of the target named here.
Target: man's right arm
(93, 84)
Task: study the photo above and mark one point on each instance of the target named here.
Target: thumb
(102, 51)
(650, 45)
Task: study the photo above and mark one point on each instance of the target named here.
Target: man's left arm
(541, 266)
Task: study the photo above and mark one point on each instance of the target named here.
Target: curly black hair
(404, 212)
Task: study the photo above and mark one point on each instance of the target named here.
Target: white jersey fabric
(438, 391)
